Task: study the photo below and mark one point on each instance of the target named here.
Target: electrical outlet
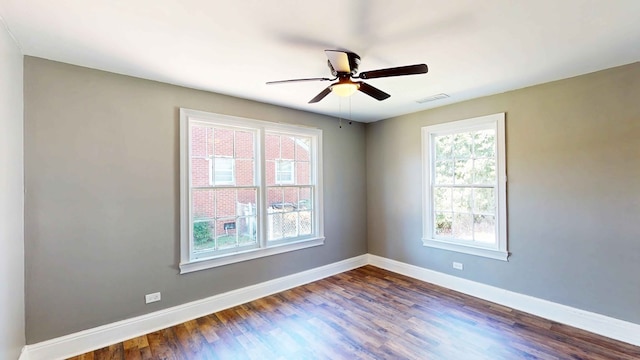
(149, 298)
(458, 266)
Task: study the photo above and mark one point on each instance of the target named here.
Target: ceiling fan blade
(396, 71)
(321, 96)
(339, 60)
(372, 91)
(298, 80)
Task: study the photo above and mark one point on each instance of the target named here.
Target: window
(248, 189)
(464, 205)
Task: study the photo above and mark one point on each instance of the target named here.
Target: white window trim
(500, 250)
(189, 264)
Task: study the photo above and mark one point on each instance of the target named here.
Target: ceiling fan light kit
(344, 67)
(345, 89)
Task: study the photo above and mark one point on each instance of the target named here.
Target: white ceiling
(472, 47)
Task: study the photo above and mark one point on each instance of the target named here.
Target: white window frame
(189, 262)
(278, 171)
(499, 250)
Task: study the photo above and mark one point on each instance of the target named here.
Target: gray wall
(573, 164)
(101, 209)
(11, 200)
(102, 201)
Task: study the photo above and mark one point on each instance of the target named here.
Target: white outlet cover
(149, 298)
(457, 265)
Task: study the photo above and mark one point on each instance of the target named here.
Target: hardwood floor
(368, 313)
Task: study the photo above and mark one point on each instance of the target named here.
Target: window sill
(467, 249)
(202, 264)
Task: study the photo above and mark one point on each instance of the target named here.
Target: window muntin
(465, 195)
(241, 210)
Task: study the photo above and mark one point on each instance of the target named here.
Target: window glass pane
(203, 235)
(484, 228)
(223, 141)
(461, 199)
(275, 198)
(443, 221)
(303, 148)
(247, 229)
(226, 231)
(198, 141)
(305, 199)
(462, 227)
(203, 204)
(274, 226)
(291, 197)
(303, 173)
(484, 200)
(272, 146)
(463, 172)
(484, 143)
(200, 171)
(244, 146)
(290, 224)
(305, 223)
(226, 203)
(443, 146)
(247, 223)
(442, 199)
(462, 145)
(247, 199)
(484, 171)
(244, 172)
(444, 172)
(270, 172)
(287, 148)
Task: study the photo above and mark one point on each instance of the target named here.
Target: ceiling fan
(344, 67)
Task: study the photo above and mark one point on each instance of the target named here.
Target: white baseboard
(24, 354)
(91, 339)
(603, 325)
(96, 338)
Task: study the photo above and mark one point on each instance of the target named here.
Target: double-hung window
(249, 189)
(464, 182)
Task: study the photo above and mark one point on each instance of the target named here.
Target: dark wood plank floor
(368, 313)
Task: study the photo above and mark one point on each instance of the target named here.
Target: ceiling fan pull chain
(350, 116)
(340, 113)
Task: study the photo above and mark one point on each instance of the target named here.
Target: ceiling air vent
(432, 98)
